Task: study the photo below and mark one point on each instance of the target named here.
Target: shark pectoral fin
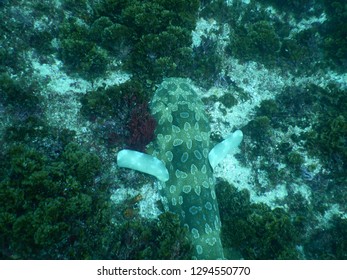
(219, 152)
(143, 163)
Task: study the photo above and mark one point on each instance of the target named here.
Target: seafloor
(76, 78)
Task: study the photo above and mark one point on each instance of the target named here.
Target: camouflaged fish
(184, 163)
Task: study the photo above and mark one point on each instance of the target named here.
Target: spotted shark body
(183, 145)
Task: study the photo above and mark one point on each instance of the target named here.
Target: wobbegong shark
(183, 162)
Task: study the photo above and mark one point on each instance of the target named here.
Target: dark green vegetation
(152, 240)
(151, 38)
(257, 41)
(330, 131)
(255, 230)
(314, 107)
(297, 7)
(329, 244)
(55, 207)
(18, 95)
(335, 32)
(48, 206)
(256, 36)
(79, 53)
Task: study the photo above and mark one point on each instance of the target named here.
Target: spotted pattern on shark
(183, 144)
